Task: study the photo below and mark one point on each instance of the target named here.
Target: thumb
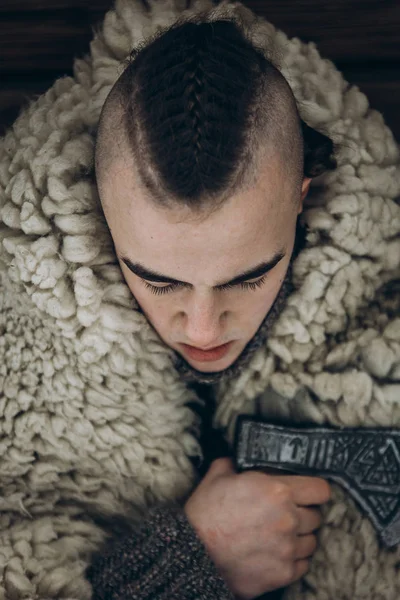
(222, 466)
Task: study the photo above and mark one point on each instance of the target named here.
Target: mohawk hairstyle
(196, 108)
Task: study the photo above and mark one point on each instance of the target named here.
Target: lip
(207, 355)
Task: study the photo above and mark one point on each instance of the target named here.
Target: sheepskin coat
(95, 427)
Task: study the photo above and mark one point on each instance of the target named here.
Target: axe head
(365, 461)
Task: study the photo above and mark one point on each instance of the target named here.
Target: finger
(309, 520)
(308, 490)
(305, 546)
(301, 567)
(222, 466)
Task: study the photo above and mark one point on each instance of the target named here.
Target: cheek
(257, 304)
(261, 303)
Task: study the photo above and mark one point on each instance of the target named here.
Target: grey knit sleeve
(163, 560)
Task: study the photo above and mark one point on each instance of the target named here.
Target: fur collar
(94, 410)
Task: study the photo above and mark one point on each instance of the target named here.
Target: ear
(304, 191)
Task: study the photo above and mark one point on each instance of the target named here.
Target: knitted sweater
(97, 424)
(163, 560)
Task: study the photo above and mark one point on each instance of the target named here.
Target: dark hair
(197, 104)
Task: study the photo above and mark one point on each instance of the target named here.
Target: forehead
(253, 223)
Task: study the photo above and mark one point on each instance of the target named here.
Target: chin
(210, 368)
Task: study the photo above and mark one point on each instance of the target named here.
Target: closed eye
(166, 289)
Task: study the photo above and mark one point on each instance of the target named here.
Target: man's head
(200, 167)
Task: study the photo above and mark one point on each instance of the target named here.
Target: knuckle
(288, 572)
(289, 523)
(287, 550)
(328, 491)
(308, 546)
(313, 543)
(305, 564)
(281, 490)
(317, 519)
(325, 490)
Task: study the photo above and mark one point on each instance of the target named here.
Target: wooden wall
(39, 38)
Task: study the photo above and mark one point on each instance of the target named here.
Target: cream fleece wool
(93, 417)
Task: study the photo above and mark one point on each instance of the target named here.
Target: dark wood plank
(43, 5)
(43, 41)
(359, 29)
(381, 85)
(40, 38)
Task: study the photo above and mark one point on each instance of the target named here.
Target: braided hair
(197, 107)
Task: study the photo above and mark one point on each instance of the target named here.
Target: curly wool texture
(94, 422)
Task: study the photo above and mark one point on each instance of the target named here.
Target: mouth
(211, 354)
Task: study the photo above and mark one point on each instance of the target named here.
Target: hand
(255, 526)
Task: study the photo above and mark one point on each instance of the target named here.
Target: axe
(365, 461)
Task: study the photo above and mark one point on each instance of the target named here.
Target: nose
(204, 323)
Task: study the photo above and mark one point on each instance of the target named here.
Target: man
(210, 266)
(203, 171)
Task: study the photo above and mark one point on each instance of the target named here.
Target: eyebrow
(150, 275)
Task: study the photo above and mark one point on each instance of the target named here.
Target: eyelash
(245, 285)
